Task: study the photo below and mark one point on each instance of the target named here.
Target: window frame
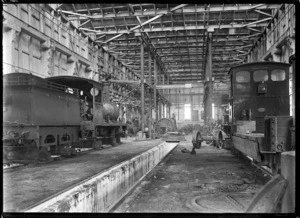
(284, 73)
(253, 73)
(46, 138)
(247, 81)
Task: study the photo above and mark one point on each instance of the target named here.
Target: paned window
(242, 77)
(278, 75)
(49, 139)
(260, 75)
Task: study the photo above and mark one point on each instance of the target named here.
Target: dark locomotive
(56, 115)
(258, 121)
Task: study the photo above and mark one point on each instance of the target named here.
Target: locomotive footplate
(247, 146)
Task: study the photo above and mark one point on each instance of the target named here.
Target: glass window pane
(260, 75)
(278, 75)
(187, 111)
(242, 77)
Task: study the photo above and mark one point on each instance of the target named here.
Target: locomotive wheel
(197, 139)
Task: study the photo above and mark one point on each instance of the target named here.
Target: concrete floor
(212, 181)
(28, 185)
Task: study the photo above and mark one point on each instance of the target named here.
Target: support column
(163, 83)
(159, 109)
(159, 76)
(163, 93)
(142, 87)
(208, 87)
(162, 109)
(191, 104)
(169, 104)
(155, 91)
(150, 97)
(106, 87)
(159, 101)
(178, 93)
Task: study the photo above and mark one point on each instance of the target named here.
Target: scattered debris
(248, 181)
(55, 157)
(83, 149)
(185, 150)
(11, 165)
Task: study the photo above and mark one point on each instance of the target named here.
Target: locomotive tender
(54, 113)
(259, 107)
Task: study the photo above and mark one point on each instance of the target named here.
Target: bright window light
(213, 111)
(187, 111)
(165, 107)
(291, 96)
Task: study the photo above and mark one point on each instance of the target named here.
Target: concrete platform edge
(102, 191)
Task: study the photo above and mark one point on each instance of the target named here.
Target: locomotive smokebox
(110, 112)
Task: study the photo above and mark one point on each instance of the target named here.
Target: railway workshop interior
(139, 107)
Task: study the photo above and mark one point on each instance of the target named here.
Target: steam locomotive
(258, 123)
(56, 113)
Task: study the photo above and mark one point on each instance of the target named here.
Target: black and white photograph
(149, 108)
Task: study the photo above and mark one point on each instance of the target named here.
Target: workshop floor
(28, 185)
(212, 181)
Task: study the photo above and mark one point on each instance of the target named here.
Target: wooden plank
(247, 147)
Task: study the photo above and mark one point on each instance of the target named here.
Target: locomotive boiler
(54, 113)
(259, 121)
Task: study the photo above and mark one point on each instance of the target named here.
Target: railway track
(265, 170)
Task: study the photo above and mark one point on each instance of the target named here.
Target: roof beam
(187, 9)
(245, 37)
(84, 24)
(181, 28)
(259, 21)
(131, 8)
(255, 6)
(255, 30)
(264, 13)
(76, 14)
(59, 6)
(148, 21)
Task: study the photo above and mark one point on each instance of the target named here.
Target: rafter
(264, 13)
(256, 22)
(187, 9)
(148, 21)
(181, 28)
(174, 35)
(77, 14)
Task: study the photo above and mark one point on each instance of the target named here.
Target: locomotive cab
(98, 115)
(90, 94)
(257, 90)
(259, 112)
